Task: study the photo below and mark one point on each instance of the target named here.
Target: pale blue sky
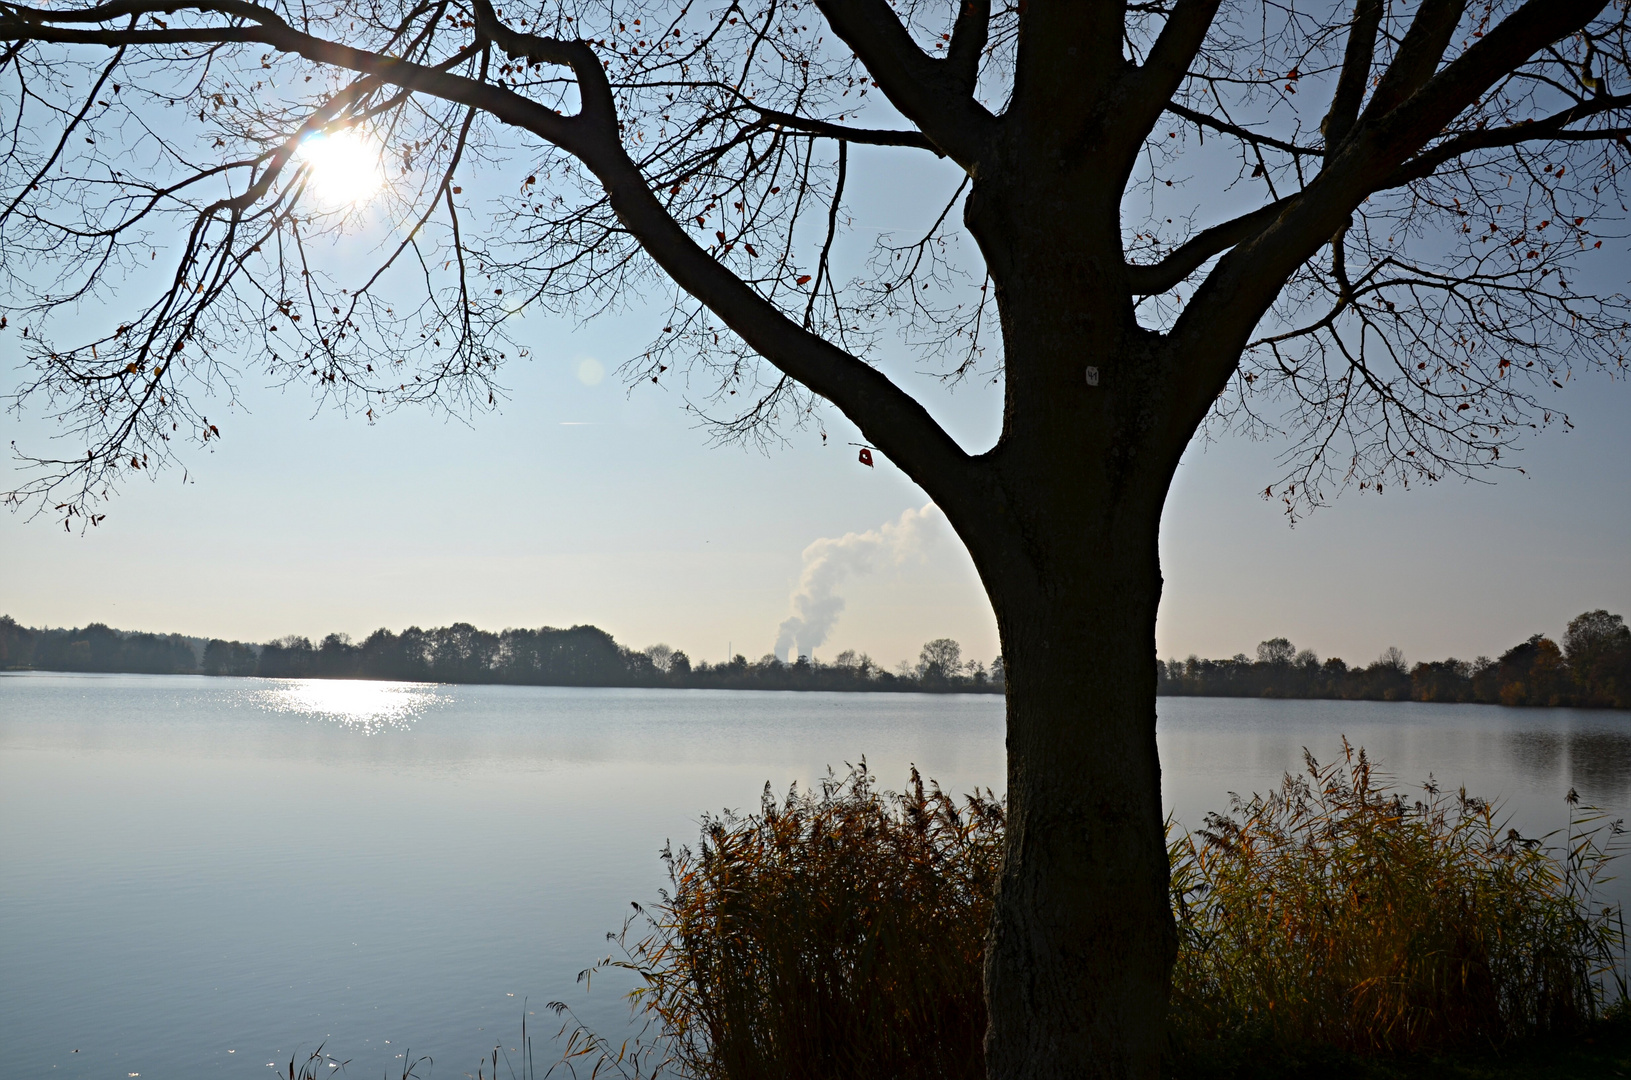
(584, 503)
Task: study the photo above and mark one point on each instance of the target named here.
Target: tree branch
(1419, 54)
(887, 416)
(67, 133)
(1552, 127)
(1156, 278)
(1215, 326)
(1356, 64)
(1201, 119)
(968, 38)
(929, 92)
(505, 105)
(1464, 80)
(867, 136)
(239, 9)
(1168, 63)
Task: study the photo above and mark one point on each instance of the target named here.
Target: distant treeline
(1592, 668)
(579, 656)
(96, 648)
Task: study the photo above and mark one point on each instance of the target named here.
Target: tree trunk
(1081, 948)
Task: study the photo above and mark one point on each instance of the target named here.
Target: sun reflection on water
(360, 704)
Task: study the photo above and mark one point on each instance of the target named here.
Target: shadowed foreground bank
(1336, 926)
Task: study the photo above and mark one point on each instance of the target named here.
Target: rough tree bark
(1100, 397)
(1063, 528)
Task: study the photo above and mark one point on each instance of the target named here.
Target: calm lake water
(201, 877)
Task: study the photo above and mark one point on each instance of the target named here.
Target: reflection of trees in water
(1538, 755)
(1601, 765)
(1598, 761)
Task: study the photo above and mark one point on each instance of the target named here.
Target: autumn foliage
(1592, 668)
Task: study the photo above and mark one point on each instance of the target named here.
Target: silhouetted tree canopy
(164, 235)
(1372, 227)
(461, 653)
(1594, 671)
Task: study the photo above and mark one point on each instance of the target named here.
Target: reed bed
(835, 933)
(839, 932)
(1337, 913)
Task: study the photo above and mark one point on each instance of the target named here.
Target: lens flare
(344, 167)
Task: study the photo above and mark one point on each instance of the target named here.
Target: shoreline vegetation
(1338, 925)
(1591, 668)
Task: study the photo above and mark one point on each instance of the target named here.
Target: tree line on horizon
(462, 653)
(1591, 668)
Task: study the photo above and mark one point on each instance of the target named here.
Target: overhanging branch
(1190, 256)
(915, 140)
(888, 417)
(1246, 135)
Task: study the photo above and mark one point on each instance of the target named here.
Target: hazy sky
(581, 502)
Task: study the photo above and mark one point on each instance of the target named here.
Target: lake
(202, 877)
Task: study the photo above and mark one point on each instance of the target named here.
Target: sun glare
(344, 167)
(366, 706)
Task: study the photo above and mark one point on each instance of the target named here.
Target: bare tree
(940, 660)
(1373, 229)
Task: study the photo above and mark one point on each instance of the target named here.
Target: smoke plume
(830, 561)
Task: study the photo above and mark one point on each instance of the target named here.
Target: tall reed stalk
(839, 932)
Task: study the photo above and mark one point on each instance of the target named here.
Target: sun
(345, 167)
